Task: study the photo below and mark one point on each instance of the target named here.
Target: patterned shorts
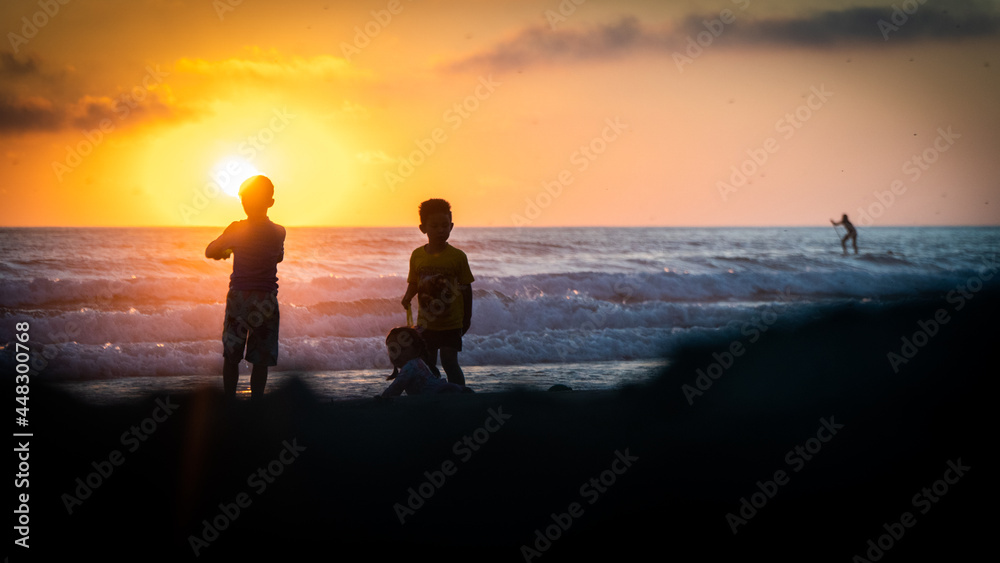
(251, 324)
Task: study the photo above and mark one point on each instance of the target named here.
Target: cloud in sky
(851, 26)
(272, 66)
(19, 112)
(35, 113)
(28, 114)
(12, 66)
(56, 102)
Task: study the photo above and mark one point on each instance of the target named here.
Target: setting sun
(232, 172)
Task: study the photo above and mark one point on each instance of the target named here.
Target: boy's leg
(258, 379)
(234, 337)
(432, 342)
(230, 376)
(262, 342)
(449, 361)
(432, 360)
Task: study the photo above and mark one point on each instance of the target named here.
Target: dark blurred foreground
(508, 476)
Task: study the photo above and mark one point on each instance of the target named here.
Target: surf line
(714, 370)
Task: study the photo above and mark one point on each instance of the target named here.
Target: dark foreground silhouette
(829, 442)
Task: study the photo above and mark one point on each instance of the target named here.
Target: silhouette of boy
(251, 321)
(440, 276)
(851, 233)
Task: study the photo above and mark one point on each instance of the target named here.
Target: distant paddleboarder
(851, 233)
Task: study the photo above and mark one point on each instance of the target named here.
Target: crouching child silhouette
(408, 354)
(250, 328)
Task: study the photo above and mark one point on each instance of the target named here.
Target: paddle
(840, 238)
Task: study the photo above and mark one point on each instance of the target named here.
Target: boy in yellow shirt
(440, 276)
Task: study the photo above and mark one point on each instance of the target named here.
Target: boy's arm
(397, 386)
(411, 290)
(411, 283)
(466, 291)
(220, 248)
(465, 278)
(393, 390)
(281, 255)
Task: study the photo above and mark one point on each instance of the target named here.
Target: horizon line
(796, 226)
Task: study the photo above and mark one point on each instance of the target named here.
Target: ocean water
(116, 313)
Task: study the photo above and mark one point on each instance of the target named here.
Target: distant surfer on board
(851, 233)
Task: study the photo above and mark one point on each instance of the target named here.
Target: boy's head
(257, 194)
(435, 220)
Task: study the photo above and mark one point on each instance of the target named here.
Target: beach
(811, 426)
(708, 394)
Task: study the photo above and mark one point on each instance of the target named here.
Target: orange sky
(520, 113)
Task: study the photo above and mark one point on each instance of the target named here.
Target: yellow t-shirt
(438, 277)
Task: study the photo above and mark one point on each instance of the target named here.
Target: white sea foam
(101, 310)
